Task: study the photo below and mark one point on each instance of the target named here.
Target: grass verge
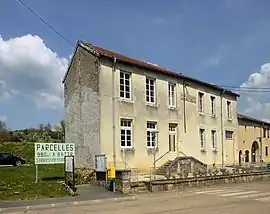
(18, 183)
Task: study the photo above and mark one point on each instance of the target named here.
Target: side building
(254, 140)
(136, 112)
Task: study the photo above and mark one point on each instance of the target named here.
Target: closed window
(268, 133)
(172, 94)
(126, 133)
(214, 139)
(150, 90)
(151, 134)
(200, 101)
(264, 132)
(202, 138)
(125, 89)
(229, 110)
(266, 150)
(213, 105)
(229, 135)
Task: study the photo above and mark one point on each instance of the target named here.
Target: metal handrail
(162, 156)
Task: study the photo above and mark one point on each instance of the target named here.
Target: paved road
(225, 199)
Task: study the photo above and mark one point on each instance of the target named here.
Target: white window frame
(151, 133)
(200, 102)
(213, 105)
(125, 95)
(214, 139)
(148, 91)
(173, 132)
(172, 95)
(202, 138)
(229, 110)
(126, 128)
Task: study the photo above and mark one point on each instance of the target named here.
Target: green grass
(18, 183)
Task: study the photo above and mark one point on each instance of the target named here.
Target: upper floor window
(125, 86)
(266, 150)
(268, 133)
(214, 139)
(229, 110)
(200, 101)
(151, 134)
(229, 135)
(213, 105)
(126, 133)
(172, 94)
(202, 138)
(264, 132)
(150, 90)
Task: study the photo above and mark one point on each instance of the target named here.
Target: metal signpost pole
(36, 173)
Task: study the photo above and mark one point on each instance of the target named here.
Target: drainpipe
(184, 94)
(113, 111)
(260, 140)
(221, 127)
(184, 109)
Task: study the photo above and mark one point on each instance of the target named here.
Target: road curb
(25, 209)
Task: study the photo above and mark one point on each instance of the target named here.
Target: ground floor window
(151, 134)
(126, 133)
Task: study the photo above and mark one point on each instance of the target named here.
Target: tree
(3, 126)
(63, 129)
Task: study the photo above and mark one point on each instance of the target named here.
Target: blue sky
(223, 42)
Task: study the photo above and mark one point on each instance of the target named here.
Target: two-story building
(135, 112)
(254, 140)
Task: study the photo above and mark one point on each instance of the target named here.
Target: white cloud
(258, 103)
(3, 118)
(28, 68)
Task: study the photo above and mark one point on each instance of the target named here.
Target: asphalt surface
(225, 199)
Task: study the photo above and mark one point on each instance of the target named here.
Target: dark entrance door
(255, 152)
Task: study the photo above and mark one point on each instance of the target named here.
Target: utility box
(111, 173)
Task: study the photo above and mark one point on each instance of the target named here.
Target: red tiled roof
(121, 57)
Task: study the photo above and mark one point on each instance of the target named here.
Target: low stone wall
(122, 181)
(169, 184)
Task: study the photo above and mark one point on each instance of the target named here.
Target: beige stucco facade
(254, 140)
(187, 119)
(197, 123)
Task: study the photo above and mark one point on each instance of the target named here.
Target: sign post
(69, 168)
(52, 153)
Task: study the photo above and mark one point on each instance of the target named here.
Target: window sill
(151, 149)
(214, 150)
(201, 113)
(173, 108)
(229, 119)
(154, 105)
(127, 149)
(125, 100)
(203, 149)
(213, 116)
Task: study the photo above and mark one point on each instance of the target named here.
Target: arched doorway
(240, 156)
(246, 156)
(255, 152)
